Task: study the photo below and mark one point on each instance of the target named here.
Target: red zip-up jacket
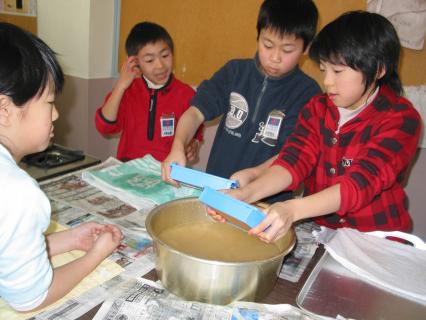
(139, 135)
(368, 157)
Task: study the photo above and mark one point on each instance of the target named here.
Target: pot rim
(208, 261)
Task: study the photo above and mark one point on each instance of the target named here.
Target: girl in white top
(30, 77)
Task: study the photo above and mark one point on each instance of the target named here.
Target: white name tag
(273, 125)
(167, 125)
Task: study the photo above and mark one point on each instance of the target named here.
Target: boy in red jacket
(352, 145)
(147, 100)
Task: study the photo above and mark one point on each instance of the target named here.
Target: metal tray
(332, 290)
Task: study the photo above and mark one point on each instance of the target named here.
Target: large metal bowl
(193, 277)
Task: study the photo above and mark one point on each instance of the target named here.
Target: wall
(83, 33)
(209, 33)
(25, 22)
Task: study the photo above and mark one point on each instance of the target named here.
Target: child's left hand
(191, 150)
(279, 219)
(85, 235)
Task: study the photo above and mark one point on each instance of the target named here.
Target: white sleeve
(26, 273)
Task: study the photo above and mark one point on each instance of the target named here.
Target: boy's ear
(380, 72)
(307, 49)
(5, 112)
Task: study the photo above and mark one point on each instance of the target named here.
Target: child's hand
(244, 177)
(215, 215)
(279, 219)
(107, 242)
(191, 150)
(86, 234)
(174, 156)
(129, 71)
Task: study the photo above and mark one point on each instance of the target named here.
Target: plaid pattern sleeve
(368, 157)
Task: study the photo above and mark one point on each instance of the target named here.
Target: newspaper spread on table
(296, 262)
(140, 299)
(75, 201)
(137, 182)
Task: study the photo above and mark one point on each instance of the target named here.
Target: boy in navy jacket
(258, 98)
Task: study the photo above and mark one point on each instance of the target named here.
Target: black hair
(27, 65)
(289, 17)
(144, 33)
(364, 41)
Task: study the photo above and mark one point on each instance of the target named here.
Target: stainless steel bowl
(207, 280)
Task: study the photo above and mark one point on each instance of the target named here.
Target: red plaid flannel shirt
(368, 157)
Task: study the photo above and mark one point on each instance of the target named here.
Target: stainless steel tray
(332, 290)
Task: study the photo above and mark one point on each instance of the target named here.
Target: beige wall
(209, 33)
(82, 33)
(75, 127)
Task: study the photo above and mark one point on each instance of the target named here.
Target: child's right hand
(192, 149)
(216, 215)
(129, 71)
(175, 156)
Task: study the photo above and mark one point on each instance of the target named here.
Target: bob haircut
(144, 33)
(364, 41)
(289, 17)
(27, 65)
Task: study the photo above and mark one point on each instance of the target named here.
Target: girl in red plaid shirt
(352, 145)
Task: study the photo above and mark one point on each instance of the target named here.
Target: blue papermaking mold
(238, 212)
(200, 179)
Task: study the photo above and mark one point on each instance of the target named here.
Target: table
(284, 292)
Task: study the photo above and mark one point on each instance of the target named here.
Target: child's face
(156, 62)
(344, 85)
(278, 55)
(33, 124)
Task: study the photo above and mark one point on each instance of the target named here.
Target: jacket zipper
(256, 108)
(151, 114)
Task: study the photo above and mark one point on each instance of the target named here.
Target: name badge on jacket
(273, 125)
(167, 125)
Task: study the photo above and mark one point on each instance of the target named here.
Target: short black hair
(27, 65)
(144, 33)
(364, 41)
(289, 17)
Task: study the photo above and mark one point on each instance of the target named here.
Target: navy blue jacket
(245, 97)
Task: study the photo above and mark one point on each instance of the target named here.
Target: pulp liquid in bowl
(217, 241)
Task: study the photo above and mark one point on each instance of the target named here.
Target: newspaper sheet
(137, 182)
(144, 299)
(297, 261)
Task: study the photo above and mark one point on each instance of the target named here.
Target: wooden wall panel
(25, 22)
(208, 33)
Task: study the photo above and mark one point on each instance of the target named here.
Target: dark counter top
(41, 174)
